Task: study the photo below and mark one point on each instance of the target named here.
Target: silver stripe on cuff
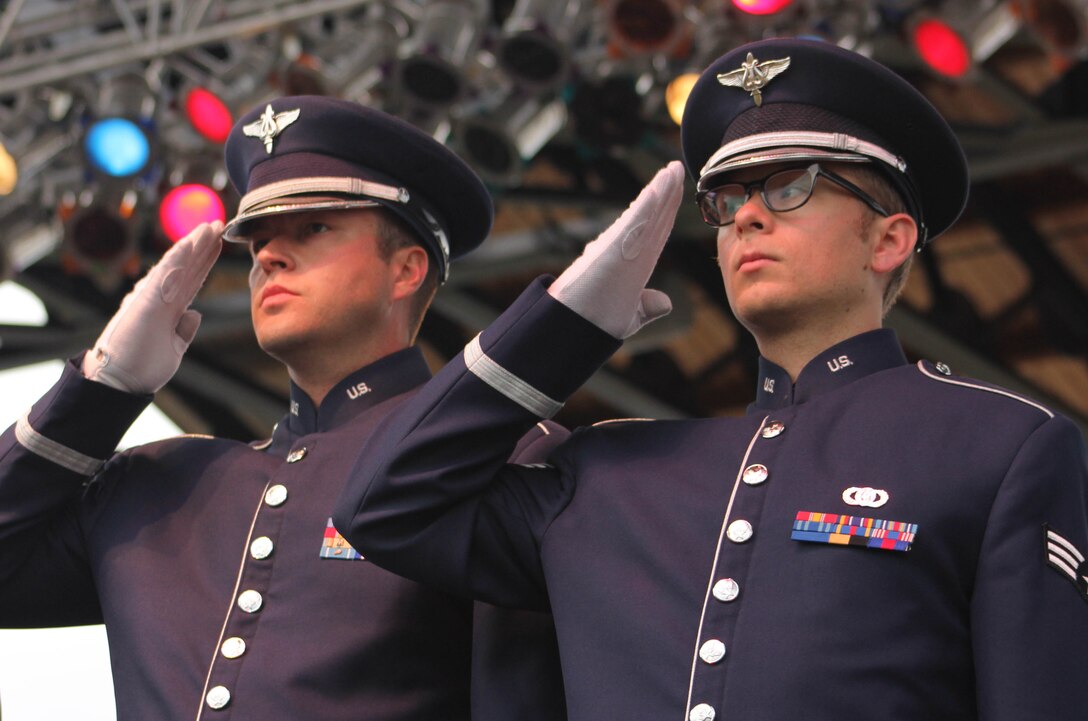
(52, 451)
(507, 383)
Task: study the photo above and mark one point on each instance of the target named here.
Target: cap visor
(774, 155)
(236, 230)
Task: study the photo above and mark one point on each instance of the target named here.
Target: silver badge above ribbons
(753, 75)
(269, 125)
(865, 496)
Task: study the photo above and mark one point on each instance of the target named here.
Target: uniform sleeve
(1030, 602)
(515, 653)
(431, 496)
(46, 460)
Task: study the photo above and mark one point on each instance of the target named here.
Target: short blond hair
(880, 187)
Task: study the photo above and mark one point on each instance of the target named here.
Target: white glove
(141, 347)
(606, 285)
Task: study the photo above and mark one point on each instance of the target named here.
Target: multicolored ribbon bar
(853, 531)
(334, 546)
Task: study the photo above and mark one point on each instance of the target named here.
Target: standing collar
(365, 388)
(837, 366)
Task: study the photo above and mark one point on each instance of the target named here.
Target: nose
(273, 254)
(753, 215)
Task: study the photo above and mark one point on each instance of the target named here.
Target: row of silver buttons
(250, 601)
(726, 589)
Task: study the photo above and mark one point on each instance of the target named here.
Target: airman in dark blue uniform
(225, 591)
(873, 539)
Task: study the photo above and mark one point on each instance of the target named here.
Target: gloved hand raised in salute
(606, 285)
(142, 345)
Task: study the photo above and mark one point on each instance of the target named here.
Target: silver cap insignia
(269, 125)
(753, 75)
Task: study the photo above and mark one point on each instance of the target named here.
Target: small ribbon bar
(853, 531)
(334, 546)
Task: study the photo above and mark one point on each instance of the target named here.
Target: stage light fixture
(187, 206)
(117, 147)
(941, 47)
(761, 7)
(208, 114)
(646, 27)
(499, 143)
(99, 241)
(1060, 25)
(118, 140)
(99, 234)
(535, 44)
(9, 171)
(962, 36)
(360, 54)
(676, 95)
(445, 37)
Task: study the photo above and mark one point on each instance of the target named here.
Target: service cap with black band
(313, 152)
(786, 99)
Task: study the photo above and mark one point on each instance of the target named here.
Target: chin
(281, 346)
(762, 314)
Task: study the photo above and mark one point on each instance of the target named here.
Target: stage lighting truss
(497, 81)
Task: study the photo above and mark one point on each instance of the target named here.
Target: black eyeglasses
(781, 191)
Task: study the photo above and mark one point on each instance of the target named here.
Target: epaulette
(942, 373)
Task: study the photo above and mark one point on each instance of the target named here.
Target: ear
(409, 265)
(894, 241)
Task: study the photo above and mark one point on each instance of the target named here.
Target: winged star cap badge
(269, 125)
(753, 75)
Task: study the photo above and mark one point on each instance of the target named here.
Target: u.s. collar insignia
(269, 125)
(753, 75)
(865, 496)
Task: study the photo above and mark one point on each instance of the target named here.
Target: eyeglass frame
(820, 171)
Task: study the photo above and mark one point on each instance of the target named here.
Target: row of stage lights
(119, 144)
(121, 148)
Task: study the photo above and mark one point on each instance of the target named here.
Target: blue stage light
(117, 147)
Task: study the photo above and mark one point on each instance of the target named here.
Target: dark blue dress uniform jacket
(225, 592)
(667, 551)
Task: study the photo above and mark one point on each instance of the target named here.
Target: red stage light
(186, 207)
(208, 114)
(942, 48)
(761, 7)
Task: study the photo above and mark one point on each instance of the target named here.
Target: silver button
(739, 531)
(701, 712)
(772, 429)
(712, 651)
(261, 547)
(943, 369)
(250, 601)
(233, 647)
(296, 455)
(726, 589)
(218, 697)
(276, 495)
(755, 474)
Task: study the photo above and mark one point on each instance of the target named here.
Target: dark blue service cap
(787, 99)
(311, 152)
